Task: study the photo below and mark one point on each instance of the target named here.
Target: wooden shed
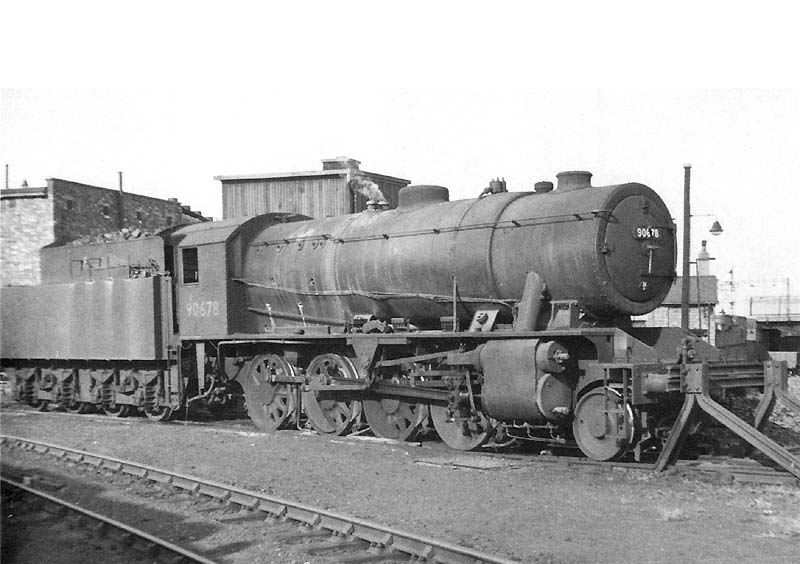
(341, 187)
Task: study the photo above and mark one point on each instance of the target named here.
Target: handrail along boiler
(497, 318)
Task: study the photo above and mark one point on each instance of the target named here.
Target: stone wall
(27, 226)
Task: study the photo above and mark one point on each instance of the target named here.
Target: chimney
(6, 177)
(374, 205)
(573, 179)
(120, 204)
(704, 262)
(340, 163)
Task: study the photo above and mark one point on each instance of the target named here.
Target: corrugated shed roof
(310, 173)
(707, 288)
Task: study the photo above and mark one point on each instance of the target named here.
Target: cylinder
(516, 388)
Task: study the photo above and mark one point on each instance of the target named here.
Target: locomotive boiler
(497, 319)
(610, 250)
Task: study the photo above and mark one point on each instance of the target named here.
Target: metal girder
(677, 436)
(752, 435)
(776, 388)
(696, 383)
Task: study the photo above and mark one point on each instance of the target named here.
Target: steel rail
(740, 470)
(154, 547)
(383, 541)
(729, 468)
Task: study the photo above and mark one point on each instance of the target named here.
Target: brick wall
(27, 226)
(82, 210)
(33, 218)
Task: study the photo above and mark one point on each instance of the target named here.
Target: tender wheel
(270, 405)
(462, 433)
(160, 414)
(117, 410)
(329, 416)
(27, 389)
(604, 426)
(79, 407)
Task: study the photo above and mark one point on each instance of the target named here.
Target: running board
(696, 386)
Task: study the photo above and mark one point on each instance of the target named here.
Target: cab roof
(212, 232)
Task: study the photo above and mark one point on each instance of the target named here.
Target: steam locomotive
(501, 318)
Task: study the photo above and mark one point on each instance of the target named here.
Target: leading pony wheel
(604, 426)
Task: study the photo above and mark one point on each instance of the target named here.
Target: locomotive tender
(497, 318)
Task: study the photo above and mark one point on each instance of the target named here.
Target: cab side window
(191, 270)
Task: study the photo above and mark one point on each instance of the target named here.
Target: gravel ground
(519, 509)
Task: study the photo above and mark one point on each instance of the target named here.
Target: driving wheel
(462, 433)
(392, 418)
(327, 413)
(270, 404)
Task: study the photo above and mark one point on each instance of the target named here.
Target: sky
(445, 93)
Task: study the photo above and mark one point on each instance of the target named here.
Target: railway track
(718, 468)
(28, 506)
(324, 533)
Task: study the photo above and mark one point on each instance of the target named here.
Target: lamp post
(687, 217)
(715, 230)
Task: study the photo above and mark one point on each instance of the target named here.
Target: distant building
(341, 187)
(65, 211)
(771, 304)
(742, 338)
(702, 303)
(703, 300)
